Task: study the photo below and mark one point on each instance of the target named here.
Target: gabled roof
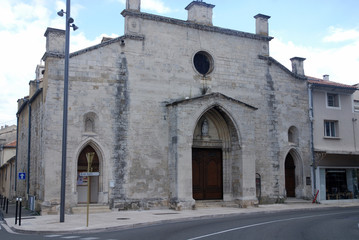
(329, 84)
(207, 96)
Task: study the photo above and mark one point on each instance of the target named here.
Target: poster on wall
(81, 180)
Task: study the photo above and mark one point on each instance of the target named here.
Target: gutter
(311, 118)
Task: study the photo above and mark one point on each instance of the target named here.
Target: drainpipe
(311, 115)
(354, 119)
(29, 150)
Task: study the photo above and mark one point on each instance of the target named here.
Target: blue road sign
(22, 176)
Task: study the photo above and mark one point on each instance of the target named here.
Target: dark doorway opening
(290, 176)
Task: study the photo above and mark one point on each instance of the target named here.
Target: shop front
(338, 179)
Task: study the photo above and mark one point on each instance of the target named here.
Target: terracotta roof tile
(11, 144)
(318, 81)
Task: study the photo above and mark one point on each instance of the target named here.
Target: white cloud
(22, 28)
(20, 51)
(152, 5)
(341, 35)
(155, 5)
(340, 62)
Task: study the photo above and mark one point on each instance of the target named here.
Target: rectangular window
(332, 100)
(356, 106)
(331, 128)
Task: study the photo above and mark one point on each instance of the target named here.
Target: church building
(175, 111)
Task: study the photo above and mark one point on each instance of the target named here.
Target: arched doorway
(82, 182)
(290, 175)
(215, 157)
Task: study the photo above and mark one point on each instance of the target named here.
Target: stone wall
(37, 175)
(22, 152)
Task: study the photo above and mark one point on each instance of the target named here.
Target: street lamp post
(69, 23)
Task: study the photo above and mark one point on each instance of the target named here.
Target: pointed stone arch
(222, 136)
(97, 195)
(293, 174)
(184, 115)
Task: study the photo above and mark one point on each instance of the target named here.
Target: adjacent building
(335, 139)
(7, 161)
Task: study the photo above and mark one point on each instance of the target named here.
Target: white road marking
(89, 238)
(263, 223)
(70, 237)
(52, 236)
(6, 227)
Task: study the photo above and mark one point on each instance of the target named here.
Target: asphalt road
(328, 223)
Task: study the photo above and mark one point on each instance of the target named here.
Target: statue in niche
(205, 128)
(89, 125)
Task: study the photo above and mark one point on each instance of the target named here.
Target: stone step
(51, 213)
(215, 204)
(82, 209)
(297, 201)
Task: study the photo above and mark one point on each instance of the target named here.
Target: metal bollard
(20, 212)
(16, 207)
(7, 206)
(0, 201)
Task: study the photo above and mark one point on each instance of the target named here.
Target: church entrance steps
(215, 204)
(94, 208)
(297, 201)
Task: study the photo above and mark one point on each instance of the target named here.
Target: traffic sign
(89, 174)
(22, 176)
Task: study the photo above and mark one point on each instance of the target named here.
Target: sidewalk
(117, 220)
(11, 212)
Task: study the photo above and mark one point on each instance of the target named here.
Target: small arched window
(293, 136)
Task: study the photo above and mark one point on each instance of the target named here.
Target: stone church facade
(176, 112)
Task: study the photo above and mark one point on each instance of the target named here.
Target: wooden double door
(207, 174)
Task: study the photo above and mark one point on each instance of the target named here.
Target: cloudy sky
(325, 32)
